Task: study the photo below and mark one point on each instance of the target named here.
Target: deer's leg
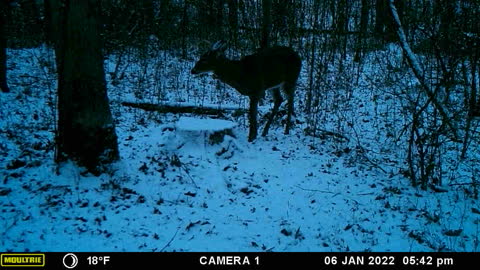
(252, 119)
(290, 91)
(277, 101)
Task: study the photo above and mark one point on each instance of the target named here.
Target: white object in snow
(208, 124)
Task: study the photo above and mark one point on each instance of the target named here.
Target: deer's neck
(229, 72)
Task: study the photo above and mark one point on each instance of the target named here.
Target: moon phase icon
(70, 260)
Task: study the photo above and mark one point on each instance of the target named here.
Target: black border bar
(253, 260)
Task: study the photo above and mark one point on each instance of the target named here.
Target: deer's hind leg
(290, 92)
(277, 101)
(252, 118)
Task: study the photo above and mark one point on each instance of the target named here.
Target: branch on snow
(182, 109)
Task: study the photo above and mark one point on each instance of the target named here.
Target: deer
(275, 68)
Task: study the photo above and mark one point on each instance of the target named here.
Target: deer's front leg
(252, 119)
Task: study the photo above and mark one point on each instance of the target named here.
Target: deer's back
(270, 67)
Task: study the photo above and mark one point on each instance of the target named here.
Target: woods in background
(333, 37)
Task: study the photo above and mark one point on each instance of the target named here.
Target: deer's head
(209, 60)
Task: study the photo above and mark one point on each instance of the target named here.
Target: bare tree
(416, 68)
(3, 46)
(233, 20)
(266, 23)
(364, 16)
(86, 132)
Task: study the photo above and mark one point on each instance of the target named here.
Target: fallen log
(177, 109)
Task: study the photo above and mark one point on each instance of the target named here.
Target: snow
(173, 190)
(196, 124)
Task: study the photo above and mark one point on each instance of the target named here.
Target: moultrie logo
(22, 260)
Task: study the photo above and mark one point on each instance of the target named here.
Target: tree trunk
(53, 24)
(380, 17)
(3, 47)
(384, 28)
(86, 132)
(266, 23)
(184, 30)
(360, 46)
(341, 27)
(233, 20)
(447, 27)
(311, 61)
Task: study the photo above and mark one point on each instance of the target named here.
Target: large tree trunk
(86, 132)
(3, 47)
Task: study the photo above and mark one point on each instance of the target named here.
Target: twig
(363, 153)
(315, 190)
(366, 193)
(188, 174)
(321, 133)
(171, 240)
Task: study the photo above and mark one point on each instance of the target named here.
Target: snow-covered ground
(175, 190)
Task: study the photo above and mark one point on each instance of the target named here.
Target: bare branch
(417, 71)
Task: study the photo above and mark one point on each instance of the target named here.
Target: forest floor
(173, 190)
